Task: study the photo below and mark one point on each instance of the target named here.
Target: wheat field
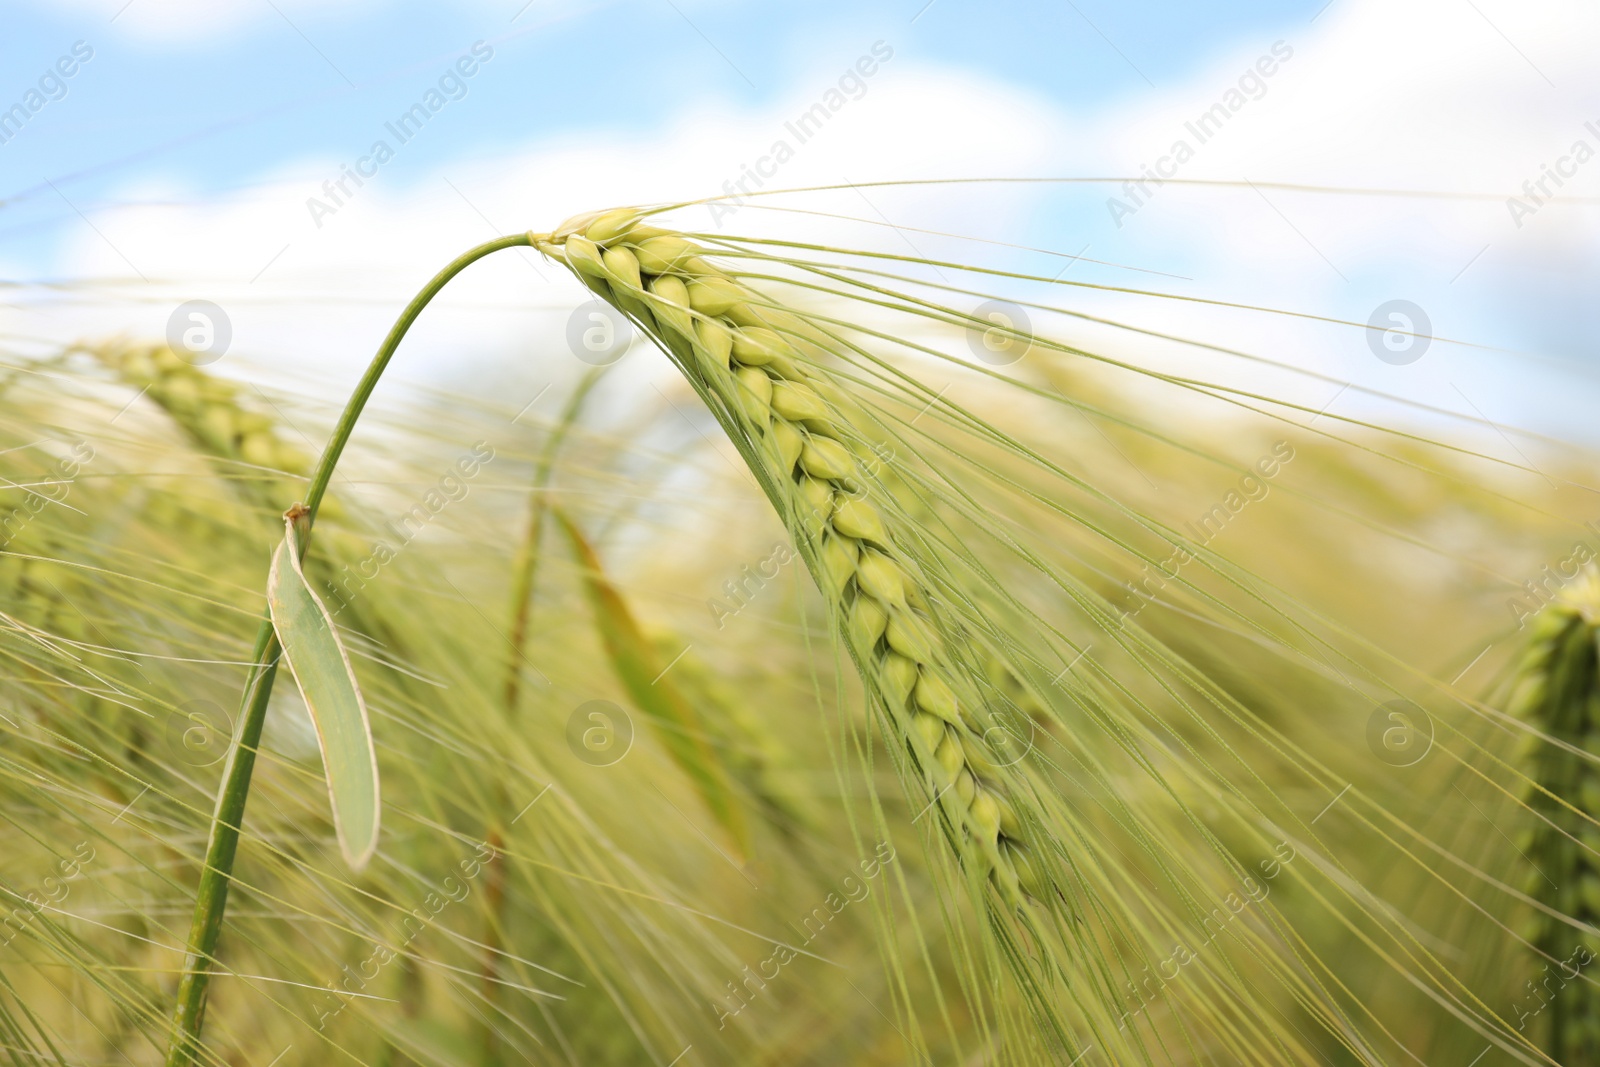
(704, 534)
(848, 701)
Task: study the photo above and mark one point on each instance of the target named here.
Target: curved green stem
(211, 899)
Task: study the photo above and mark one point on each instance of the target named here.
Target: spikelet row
(1558, 691)
(747, 354)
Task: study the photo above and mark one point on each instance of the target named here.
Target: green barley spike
(1558, 692)
(758, 366)
(208, 408)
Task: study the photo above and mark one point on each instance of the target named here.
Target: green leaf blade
(665, 708)
(322, 670)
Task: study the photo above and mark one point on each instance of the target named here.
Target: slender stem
(527, 563)
(211, 899)
(369, 381)
(525, 577)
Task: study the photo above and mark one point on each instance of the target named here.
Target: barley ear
(1557, 690)
(759, 366)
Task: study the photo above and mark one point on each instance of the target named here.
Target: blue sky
(181, 161)
(215, 108)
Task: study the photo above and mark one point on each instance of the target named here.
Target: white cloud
(187, 21)
(1425, 94)
(322, 296)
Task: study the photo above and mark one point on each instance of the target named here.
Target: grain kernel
(838, 557)
(789, 441)
(676, 294)
(658, 255)
(857, 518)
(584, 256)
(621, 264)
(867, 621)
(795, 401)
(754, 389)
(936, 698)
(909, 636)
(715, 338)
(759, 346)
(930, 729)
(1023, 862)
(714, 296)
(881, 577)
(821, 457)
(611, 225)
(1010, 825)
(898, 676)
(986, 814)
(816, 499)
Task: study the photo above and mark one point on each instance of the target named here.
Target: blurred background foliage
(1352, 635)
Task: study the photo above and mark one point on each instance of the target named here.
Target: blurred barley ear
(1558, 692)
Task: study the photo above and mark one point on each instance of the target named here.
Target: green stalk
(527, 563)
(211, 899)
(525, 576)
